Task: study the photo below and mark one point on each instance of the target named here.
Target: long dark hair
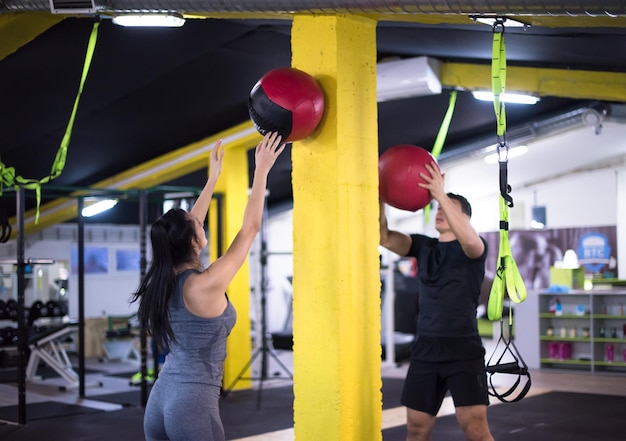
(172, 237)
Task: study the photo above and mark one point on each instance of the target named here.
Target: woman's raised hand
(267, 151)
(217, 155)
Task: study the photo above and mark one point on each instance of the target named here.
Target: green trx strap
(441, 138)
(498, 79)
(445, 126)
(7, 174)
(508, 278)
(505, 359)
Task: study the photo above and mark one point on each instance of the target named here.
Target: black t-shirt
(449, 287)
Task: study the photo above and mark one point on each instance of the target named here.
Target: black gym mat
(10, 375)
(120, 425)
(127, 375)
(126, 399)
(44, 410)
(553, 416)
(246, 413)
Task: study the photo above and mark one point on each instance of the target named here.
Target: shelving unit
(580, 337)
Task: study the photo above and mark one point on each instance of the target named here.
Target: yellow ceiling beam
(19, 29)
(579, 84)
(158, 171)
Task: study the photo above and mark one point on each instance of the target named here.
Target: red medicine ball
(399, 171)
(288, 101)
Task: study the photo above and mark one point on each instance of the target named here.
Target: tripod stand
(265, 349)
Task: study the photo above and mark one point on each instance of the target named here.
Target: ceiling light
(513, 152)
(150, 20)
(99, 207)
(493, 20)
(515, 98)
(410, 77)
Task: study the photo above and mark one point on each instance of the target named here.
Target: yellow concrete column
(336, 303)
(233, 184)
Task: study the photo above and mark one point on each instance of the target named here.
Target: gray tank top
(200, 349)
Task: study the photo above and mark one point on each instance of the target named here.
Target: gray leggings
(183, 412)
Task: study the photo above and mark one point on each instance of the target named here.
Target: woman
(185, 309)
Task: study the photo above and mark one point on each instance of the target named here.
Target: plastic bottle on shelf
(558, 308)
(553, 350)
(610, 352)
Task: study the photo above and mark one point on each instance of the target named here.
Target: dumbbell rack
(20, 336)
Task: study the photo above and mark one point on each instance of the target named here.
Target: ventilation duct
(591, 115)
(517, 7)
(72, 6)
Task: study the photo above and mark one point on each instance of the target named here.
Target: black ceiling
(151, 91)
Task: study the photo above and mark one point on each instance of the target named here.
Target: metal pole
(22, 343)
(143, 215)
(81, 298)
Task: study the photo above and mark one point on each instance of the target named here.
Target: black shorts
(427, 383)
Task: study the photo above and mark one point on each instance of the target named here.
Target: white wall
(586, 199)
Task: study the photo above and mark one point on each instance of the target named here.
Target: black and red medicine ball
(288, 101)
(399, 171)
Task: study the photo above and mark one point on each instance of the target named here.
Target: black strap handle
(515, 367)
(505, 188)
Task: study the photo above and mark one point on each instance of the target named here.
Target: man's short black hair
(465, 205)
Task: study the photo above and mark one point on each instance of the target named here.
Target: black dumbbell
(8, 336)
(54, 309)
(39, 309)
(12, 309)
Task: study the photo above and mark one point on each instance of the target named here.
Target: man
(448, 354)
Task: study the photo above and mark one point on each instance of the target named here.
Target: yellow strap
(498, 80)
(508, 278)
(441, 138)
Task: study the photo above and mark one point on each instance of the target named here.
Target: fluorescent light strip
(516, 98)
(99, 207)
(149, 20)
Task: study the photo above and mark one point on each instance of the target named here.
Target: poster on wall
(96, 260)
(535, 251)
(127, 260)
